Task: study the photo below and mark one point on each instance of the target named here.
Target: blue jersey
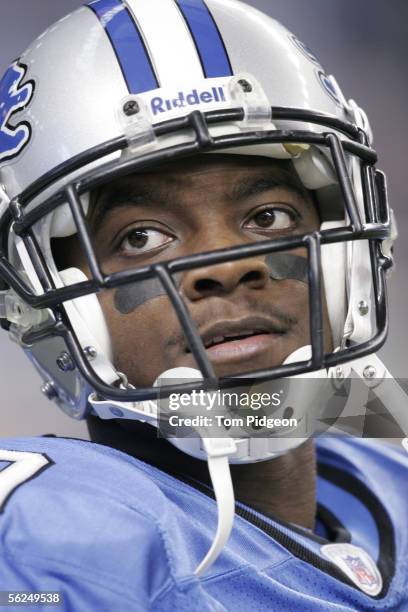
(113, 533)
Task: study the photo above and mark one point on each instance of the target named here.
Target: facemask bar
(377, 230)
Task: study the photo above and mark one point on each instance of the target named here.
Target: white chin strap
(218, 450)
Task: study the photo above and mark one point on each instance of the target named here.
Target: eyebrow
(123, 196)
(256, 185)
(137, 194)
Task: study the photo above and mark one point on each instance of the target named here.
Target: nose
(225, 278)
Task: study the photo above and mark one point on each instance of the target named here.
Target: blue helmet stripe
(128, 45)
(207, 38)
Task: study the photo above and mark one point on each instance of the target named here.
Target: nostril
(252, 276)
(225, 278)
(207, 285)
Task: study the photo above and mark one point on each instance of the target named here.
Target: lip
(262, 329)
(237, 350)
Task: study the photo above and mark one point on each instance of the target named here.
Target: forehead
(188, 172)
(209, 174)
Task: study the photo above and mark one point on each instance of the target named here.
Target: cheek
(139, 338)
(293, 299)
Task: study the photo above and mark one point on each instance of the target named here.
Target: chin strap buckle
(219, 447)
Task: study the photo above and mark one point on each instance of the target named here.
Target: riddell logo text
(193, 98)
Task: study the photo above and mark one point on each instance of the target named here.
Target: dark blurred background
(364, 43)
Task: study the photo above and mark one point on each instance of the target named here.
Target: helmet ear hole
(329, 203)
(66, 252)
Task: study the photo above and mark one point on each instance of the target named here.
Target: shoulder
(41, 472)
(363, 453)
(72, 467)
(77, 508)
(374, 469)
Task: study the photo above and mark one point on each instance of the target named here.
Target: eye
(272, 219)
(143, 239)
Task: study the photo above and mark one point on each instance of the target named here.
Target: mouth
(236, 340)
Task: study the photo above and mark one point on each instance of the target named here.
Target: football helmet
(119, 86)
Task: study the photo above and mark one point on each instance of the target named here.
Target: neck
(282, 488)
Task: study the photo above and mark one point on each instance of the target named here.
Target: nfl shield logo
(357, 565)
(360, 570)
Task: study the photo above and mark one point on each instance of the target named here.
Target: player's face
(248, 319)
